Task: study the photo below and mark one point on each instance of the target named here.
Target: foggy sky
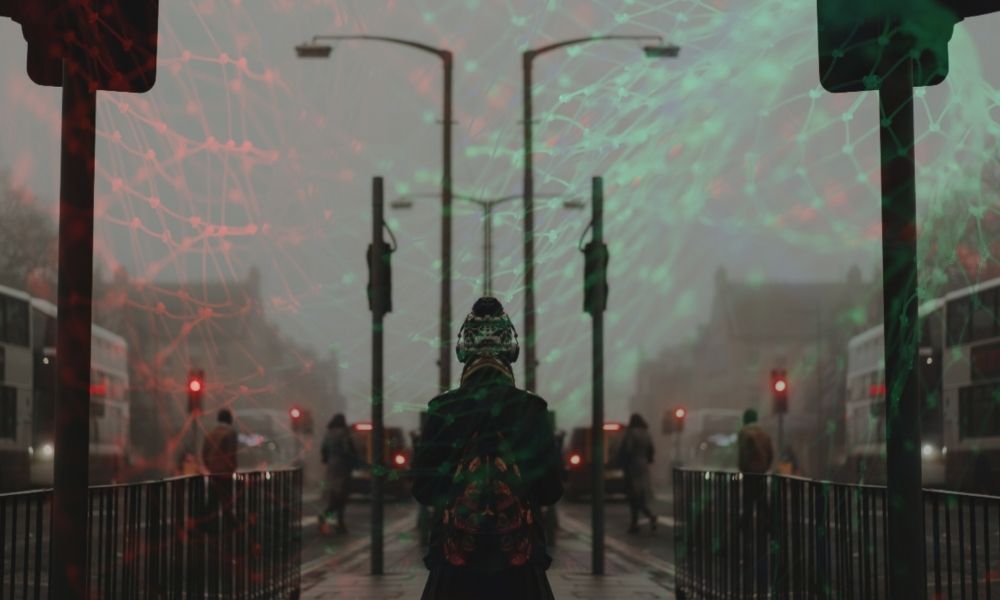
(729, 155)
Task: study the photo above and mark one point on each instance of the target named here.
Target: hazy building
(753, 328)
(221, 328)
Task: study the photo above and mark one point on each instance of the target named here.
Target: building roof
(781, 311)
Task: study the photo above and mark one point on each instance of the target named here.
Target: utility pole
(315, 50)
(70, 505)
(595, 290)
(444, 344)
(905, 521)
(379, 308)
(527, 58)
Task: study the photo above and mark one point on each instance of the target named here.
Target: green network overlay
(733, 143)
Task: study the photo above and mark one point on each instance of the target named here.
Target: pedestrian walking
(487, 464)
(218, 455)
(340, 457)
(755, 457)
(635, 455)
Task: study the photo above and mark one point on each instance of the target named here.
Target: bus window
(958, 321)
(978, 412)
(15, 317)
(983, 306)
(8, 412)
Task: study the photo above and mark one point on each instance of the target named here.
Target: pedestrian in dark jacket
(635, 455)
(218, 454)
(340, 456)
(755, 457)
(486, 463)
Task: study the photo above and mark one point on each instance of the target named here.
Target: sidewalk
(628, 574)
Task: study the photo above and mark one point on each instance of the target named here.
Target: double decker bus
(109, 407)
(865, 403)
(972, 387)
(27, 396)
(15, 388)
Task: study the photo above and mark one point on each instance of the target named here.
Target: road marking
(643, 557)
(355, 549)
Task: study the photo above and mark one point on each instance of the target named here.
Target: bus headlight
(928, 451)
(48, 451)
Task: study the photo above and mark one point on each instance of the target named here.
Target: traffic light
(673, 420)
(779, 391)
(301, 420)
(195, 390)
(117, 37)
(385, 306)
(595, 277)
(680, 413)
(860, 41)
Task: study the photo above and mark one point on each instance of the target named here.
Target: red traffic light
(680, 413)
(779, 391)
(295, 413)
(195, 390)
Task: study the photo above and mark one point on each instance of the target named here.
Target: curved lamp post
(651, 51)
(314, 49)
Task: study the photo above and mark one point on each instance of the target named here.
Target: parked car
(396, 456)
(578, 458)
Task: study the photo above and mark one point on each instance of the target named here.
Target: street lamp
(314, 49)
(659, 50)
(487, 204)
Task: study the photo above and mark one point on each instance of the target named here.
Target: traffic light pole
(378, 430)
(597, 412)
(781, 434)
(906, 541)
(70, 506)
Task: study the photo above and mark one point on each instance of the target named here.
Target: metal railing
(772, 536)
(189, 537)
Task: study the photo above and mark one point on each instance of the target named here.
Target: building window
(8, 413)
(958, 321)
(14, 321)
(979, 411)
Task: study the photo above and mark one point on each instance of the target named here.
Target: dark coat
(218, 452)
(635, 455)
(340, 457)
(486, 401)
(756, 452)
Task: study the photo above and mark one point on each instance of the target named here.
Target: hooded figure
(486, 464)
(340, 457)
(635, 456)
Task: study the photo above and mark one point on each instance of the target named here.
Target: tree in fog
(959, 238)
(28, 241)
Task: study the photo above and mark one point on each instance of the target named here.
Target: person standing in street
(487, 463)
(218, 452)
(218, 455)
(635, 455)
(340, 456)
(755, 457)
